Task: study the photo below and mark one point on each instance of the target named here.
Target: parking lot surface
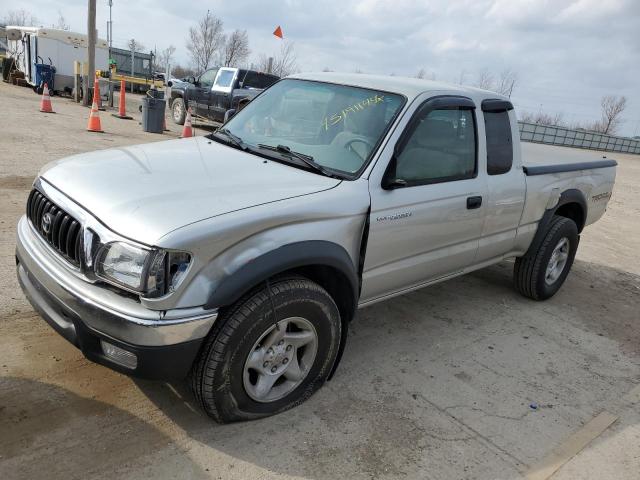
(465, 379)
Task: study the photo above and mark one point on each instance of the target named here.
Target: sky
(567, 53)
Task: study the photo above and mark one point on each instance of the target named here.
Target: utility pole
(91, 51)
(110, 37)
(132, 45)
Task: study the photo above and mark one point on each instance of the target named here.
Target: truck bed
(540, 159)
(551, 170)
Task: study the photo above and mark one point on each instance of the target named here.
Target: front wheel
(541, 273)
(255, 364)
(178, 111)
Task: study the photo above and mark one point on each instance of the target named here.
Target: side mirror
(389, 183)
(390, 180)
(192, 80)
(228, 114)
(170, 83)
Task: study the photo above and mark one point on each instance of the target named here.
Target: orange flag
(278, 32)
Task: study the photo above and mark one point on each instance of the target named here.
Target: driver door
(200, 93)
(427, 208)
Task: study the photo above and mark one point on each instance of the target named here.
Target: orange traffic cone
(122, 106)
(45, 103)
(187, 131)
(94, 116)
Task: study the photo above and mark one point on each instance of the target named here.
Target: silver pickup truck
(238, 259)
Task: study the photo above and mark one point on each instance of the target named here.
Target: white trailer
(60, 48)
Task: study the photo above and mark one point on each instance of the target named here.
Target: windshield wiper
(236, 140)
(306, 159)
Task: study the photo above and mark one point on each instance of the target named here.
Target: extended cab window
(207, 78)
(440, 147)
(499, 144)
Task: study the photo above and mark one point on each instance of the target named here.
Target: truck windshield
(336, 125)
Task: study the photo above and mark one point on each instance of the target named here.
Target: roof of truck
(409, 87)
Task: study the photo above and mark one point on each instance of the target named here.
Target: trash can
(153, 114)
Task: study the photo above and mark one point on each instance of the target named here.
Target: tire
(178, 111)
(533, 274)
(221, 377)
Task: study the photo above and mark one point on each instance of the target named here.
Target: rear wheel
(178, 111)
(541, 273)
(254, 364)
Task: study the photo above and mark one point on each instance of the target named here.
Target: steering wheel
(348, 146)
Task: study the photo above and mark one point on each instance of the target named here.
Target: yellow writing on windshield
(356, 107)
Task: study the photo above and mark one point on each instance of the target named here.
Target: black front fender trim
(286, 257)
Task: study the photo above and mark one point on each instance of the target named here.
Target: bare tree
(612, 108)
(542, 118)
(506, 82)
(463, 74)
(134, 45)
(236, 48)
(19, 18)
(163, 59)
(485, 80)
(62, 22)
(284, 63)
(205, 41)
(183, 72)
(425, 74)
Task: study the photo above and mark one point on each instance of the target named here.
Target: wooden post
(77, 75)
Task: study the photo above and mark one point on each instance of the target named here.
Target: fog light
(119, 355)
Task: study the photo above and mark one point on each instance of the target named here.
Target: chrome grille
(57, 227)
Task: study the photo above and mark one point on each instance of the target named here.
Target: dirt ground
(435, 384)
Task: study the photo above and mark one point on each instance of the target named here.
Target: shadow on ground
(49, 432)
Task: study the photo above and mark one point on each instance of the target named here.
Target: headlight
(149, 272)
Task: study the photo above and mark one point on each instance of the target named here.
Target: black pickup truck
(215, 91)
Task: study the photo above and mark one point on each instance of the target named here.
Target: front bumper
(165, 343)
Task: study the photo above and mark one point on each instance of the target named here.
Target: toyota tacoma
(238, 260)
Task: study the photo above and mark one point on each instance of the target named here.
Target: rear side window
(251, 79)
(224, 79)
(499, 142)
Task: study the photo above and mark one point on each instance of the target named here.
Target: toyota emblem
(46, 223)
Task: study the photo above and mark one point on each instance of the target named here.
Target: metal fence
(533, 132)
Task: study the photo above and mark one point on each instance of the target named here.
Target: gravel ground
(435, 384)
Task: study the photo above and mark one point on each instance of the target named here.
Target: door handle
(474, 202)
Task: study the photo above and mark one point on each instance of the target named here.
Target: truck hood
(145, 191)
